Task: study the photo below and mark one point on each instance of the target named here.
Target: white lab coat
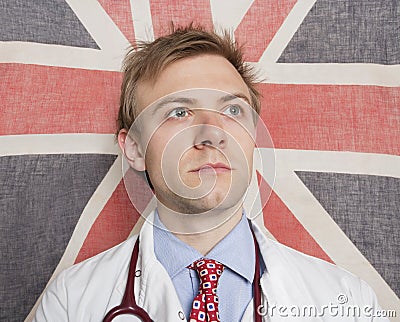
(293, 281)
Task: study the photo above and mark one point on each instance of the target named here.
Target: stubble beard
(210, 203)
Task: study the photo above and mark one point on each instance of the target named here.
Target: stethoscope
(128, 305)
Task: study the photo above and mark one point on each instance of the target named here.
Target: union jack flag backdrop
(331, 101)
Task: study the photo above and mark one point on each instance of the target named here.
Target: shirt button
(181, 315)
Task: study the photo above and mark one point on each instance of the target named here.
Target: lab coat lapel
(281, 284)
(276, 282)
(248, 314)
(154, 289)
(121, 279)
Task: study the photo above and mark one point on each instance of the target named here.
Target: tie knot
(209, 271)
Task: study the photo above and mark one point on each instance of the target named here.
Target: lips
(212, 168)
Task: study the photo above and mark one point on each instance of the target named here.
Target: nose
(209, 130)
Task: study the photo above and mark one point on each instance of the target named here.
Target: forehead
(205, 71)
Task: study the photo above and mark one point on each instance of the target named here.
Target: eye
(179, 112)
(233, 110)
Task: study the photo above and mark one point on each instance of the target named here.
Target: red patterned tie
(205, 304)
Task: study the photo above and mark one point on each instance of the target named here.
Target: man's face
(197, 134)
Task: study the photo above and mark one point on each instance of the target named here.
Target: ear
(131, 149)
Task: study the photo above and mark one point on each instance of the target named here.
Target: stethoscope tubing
(128, 305)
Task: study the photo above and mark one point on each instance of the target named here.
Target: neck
(203, 231)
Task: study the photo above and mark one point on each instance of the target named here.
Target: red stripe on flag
(112, 226)
(260, 25)
(180, 13)
(284, 226)
(43, 99)
(120, 12)
(338, 118)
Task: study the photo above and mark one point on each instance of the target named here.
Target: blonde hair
(146, 60)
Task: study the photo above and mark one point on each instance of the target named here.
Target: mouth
(211, 168)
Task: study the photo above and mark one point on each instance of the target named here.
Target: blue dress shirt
(236, 252)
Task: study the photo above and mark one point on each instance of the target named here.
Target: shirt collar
(172, 253)
(235, 251)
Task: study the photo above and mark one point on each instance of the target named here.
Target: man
(188, 118)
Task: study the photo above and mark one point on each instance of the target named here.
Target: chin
(219, 201)
(223, 196)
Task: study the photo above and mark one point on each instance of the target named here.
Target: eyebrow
(190, 101)
(231, 97)
(166, 101)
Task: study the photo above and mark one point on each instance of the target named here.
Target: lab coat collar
(154, 283)
(282, 283)
(277, 268)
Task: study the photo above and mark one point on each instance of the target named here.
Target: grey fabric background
(347, 31)
(367, 209)
(41, 200)
(42, 21)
